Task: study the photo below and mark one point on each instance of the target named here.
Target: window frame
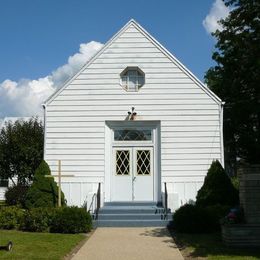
(139, 81)
(132, 142)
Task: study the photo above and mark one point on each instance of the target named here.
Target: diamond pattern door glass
(143, 162)
(122, 162)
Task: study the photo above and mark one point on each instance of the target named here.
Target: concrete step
(132, 216)
(132, 203)
(131, 210)
(130, 223)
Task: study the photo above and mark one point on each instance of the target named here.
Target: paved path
(129, 244)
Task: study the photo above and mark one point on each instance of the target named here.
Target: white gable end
(186, 117)
(133, 46)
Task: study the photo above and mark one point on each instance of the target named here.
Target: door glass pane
(123, 162)
(132, 135)
(143, 162)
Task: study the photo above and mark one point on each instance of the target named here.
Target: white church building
(135, 120)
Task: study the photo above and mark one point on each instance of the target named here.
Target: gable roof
(132, 22)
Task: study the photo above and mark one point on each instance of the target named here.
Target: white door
(132, 174)
(143, 174)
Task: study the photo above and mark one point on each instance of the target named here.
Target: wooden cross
(59, 181)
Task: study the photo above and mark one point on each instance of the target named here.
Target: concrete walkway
(129, 244)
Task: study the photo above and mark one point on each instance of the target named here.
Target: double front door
(133, 176)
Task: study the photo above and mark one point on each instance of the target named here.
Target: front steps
(132, 214)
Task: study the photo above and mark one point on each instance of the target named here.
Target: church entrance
(132, 164)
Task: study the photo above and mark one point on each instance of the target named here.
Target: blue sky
(38, 36)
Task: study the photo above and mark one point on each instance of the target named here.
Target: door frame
(110, 126)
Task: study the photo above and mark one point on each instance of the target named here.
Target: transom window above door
(132, 79)
(133, 135)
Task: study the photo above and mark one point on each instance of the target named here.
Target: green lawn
(209, 246)
(38, 245)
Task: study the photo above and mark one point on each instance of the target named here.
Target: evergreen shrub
(10, 217)
(37, 219)
(44, 190)
(217, 188)
(15, 195)
(71, 220)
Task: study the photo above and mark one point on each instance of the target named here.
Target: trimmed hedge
(37, 219)
(60, 220)
(195, 219)
(10, 217)
(71, 220)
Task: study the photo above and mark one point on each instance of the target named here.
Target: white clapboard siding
(189, 118)
(2, 193)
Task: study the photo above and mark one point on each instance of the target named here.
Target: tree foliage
(44, 190)
(236, 79)
(217, 188)
(21, 149)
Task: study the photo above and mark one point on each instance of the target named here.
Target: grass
(38, 245)
(210, 246)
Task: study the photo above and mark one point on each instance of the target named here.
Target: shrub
(10, 217)
(215, 213)
(15, 195)
(37, 219)
(190, 219)
(195, 219)
(44, 191)
(71, 220)
(217, 188)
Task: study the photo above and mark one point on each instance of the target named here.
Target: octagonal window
(132, 79)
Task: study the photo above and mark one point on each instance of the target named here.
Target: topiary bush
(44, 190)
(15, 195)
(71, 220)
(10, 217)
(217, 188)
(37, 219)
(195, 219)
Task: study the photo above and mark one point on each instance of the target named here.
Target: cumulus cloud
(24, 97)
(217, 12)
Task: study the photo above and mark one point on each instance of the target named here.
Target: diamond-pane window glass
(132, 135)
(143, 162)
(122, 162)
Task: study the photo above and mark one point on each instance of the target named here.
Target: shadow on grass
(205, 245)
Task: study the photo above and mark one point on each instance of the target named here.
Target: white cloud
(24, 98)
(217, 12)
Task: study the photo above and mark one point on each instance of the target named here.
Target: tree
(236, 80)
(21, 150)
(44, 190)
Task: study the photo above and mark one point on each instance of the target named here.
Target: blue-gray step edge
(129, 210)
(127, 203)
(133, 216)
(131, 223)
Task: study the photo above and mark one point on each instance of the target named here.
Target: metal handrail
(92, 203)
(165, 201)
(98, 199)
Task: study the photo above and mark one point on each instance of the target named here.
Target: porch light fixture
(132, 114)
